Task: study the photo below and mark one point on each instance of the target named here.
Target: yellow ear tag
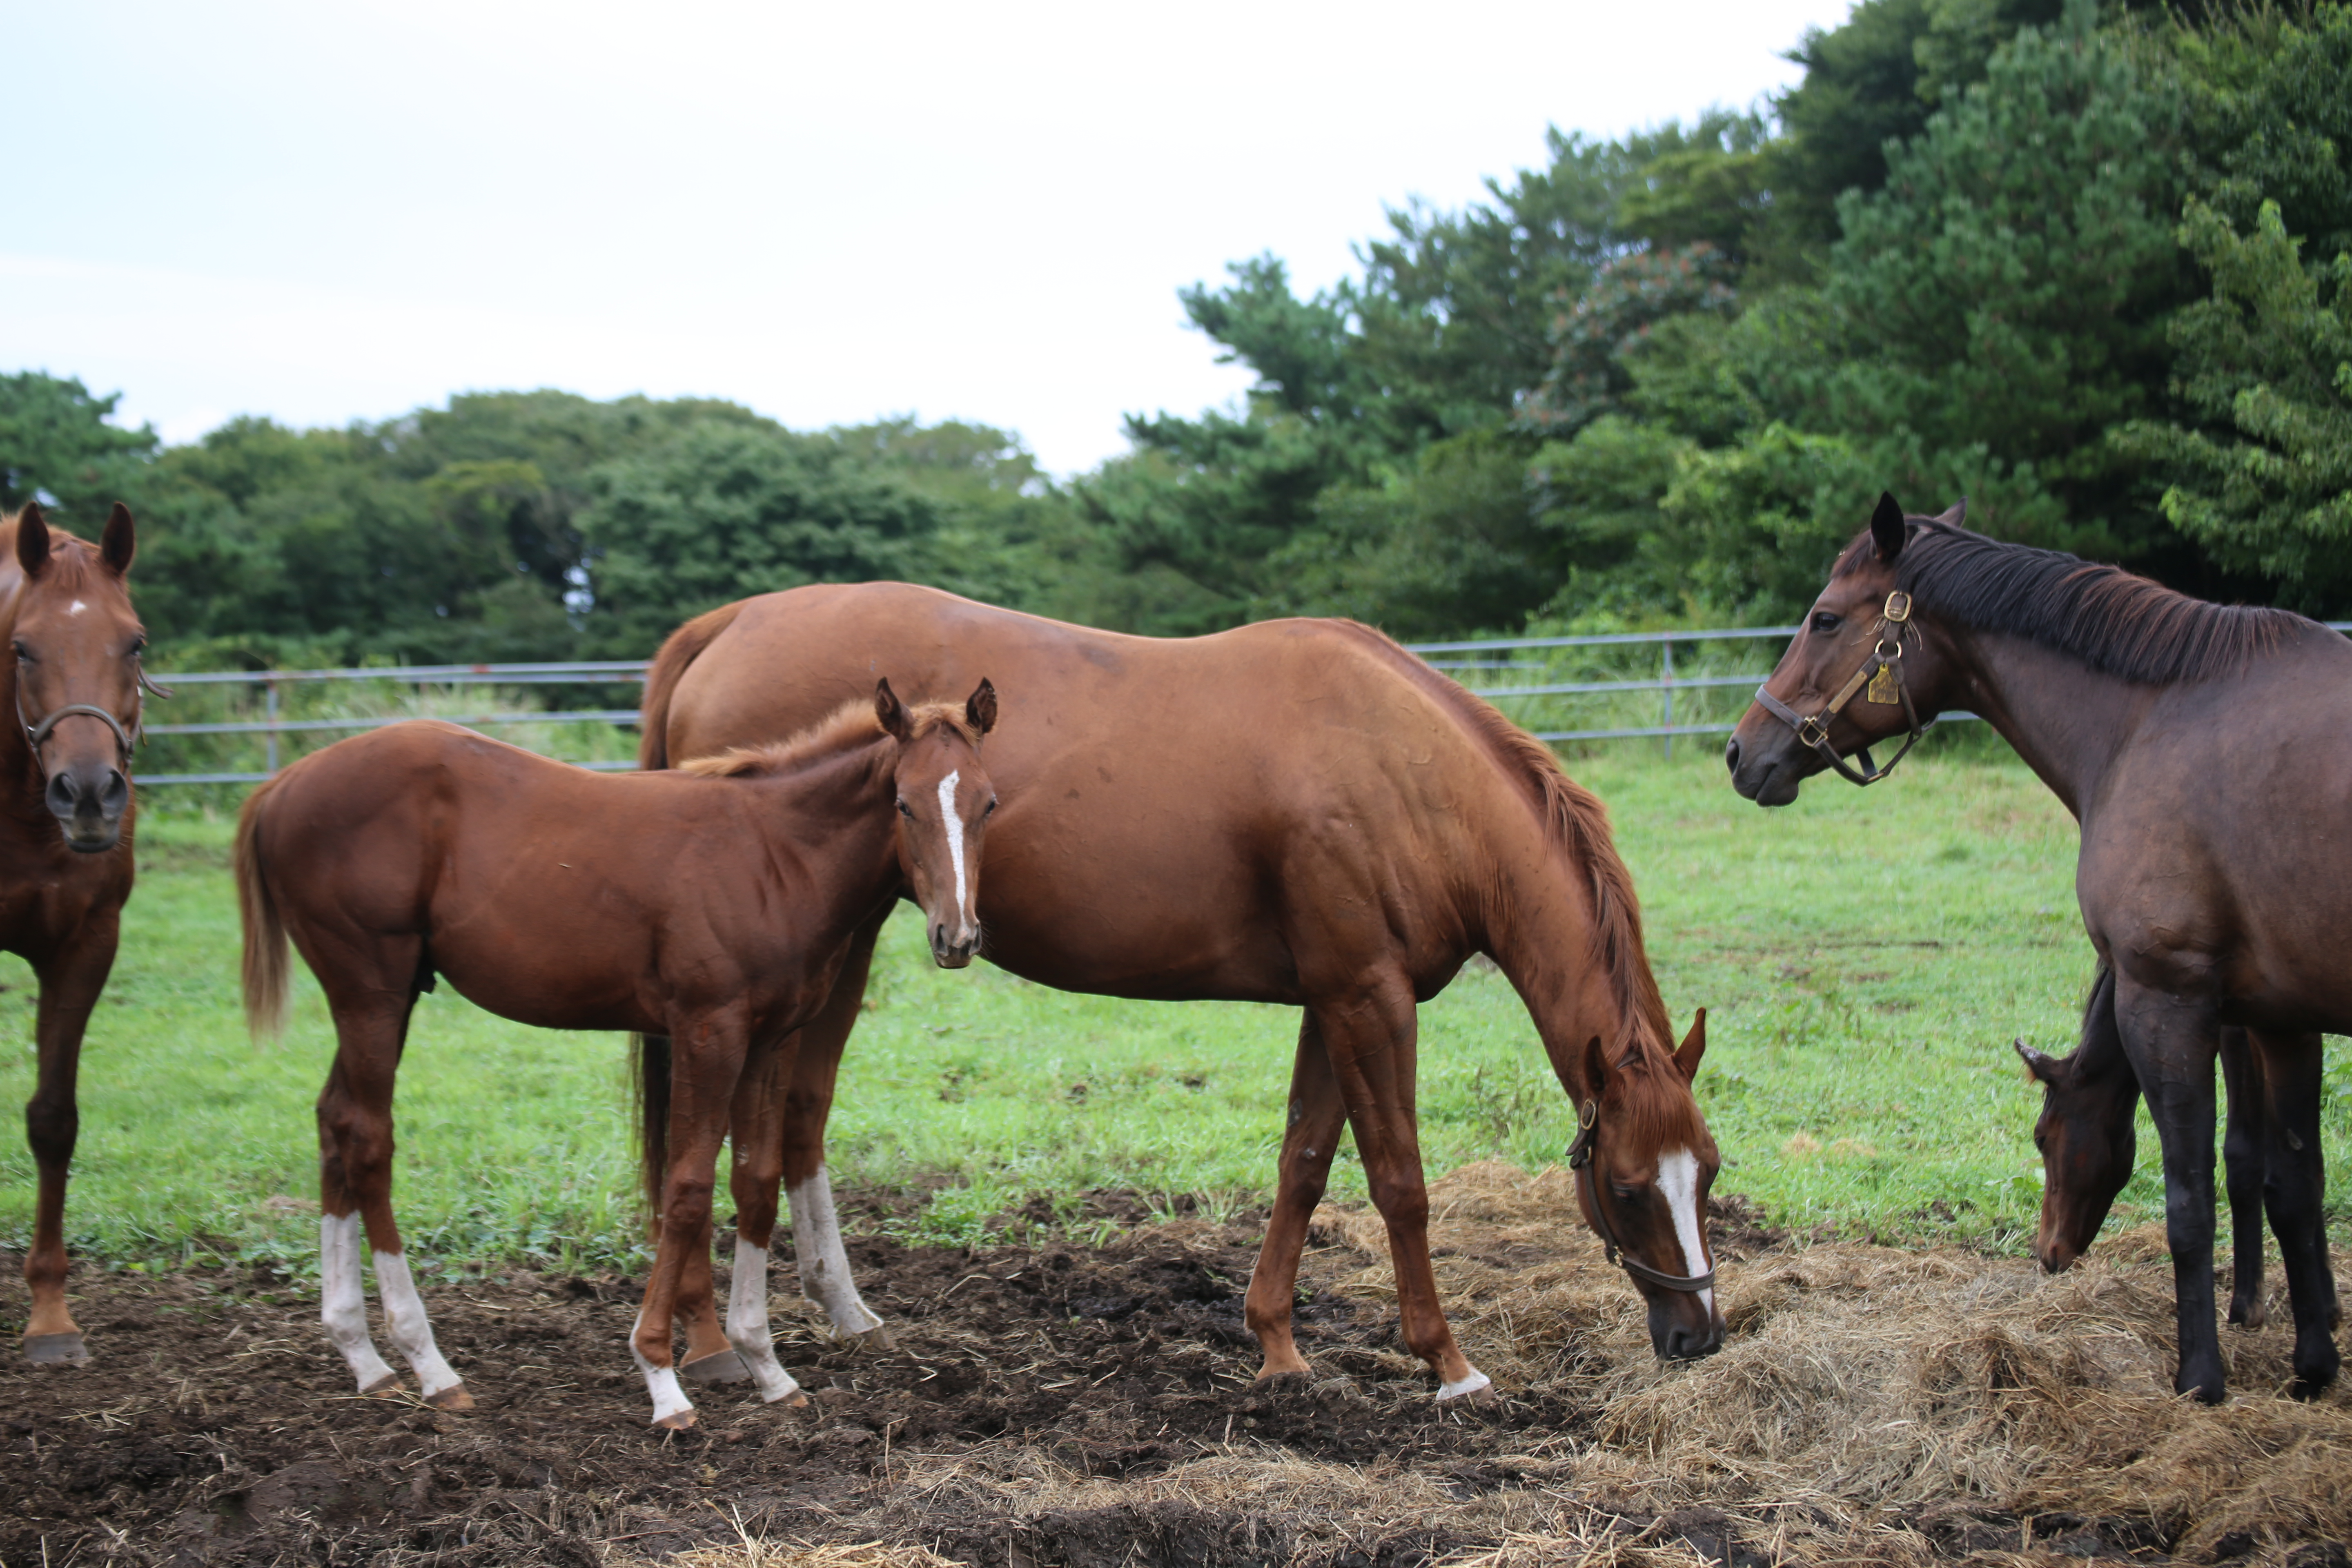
(1882, 688)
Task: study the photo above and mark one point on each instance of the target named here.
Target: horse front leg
(1370, 1038)
(2246, 1136)
(2172, 1041)
(71, 983)
(757, 1170)
(706, 1060)
(711, 1354)
(1310, 1134)
(822, 1260)
(2294, 1190)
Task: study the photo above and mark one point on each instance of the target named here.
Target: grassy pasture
(1864, 959)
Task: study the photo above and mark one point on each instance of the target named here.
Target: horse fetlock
(1473, 1385)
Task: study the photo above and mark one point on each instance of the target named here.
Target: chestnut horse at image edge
(1295, 812)
(715, 906)
(70, 678)
(2206, 749)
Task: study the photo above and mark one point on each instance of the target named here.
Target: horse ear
(890, 713)
(979, 709)
(32, 539)
(1596, 1067)
(1694, 1048)
(1886, 526)
(119, 542)
(1957, 515)
(2045, 1068)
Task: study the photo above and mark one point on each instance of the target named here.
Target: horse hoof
(876, 1340)
(724, 1367)
(795, 1400)
(453, 1397)
(53, 1350)
(2249, 1316)
(1476, 1389)
(388, 1386)
(681, 1422)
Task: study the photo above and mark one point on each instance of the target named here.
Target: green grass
(1865, 959)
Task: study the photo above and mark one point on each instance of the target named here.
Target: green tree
(2266, 362)
(55, 439)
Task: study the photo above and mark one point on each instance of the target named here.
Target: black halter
(126, 739)
(1580, 1160)
(1882, 672)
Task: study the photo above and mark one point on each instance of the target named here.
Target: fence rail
(1445, 656)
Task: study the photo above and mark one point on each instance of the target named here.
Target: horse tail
(684, 646)
(649, 1073)
(265, 931)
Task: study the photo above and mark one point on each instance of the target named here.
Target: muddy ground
(1067, 1404)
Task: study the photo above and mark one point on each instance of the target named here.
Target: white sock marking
(404, 1318)
(1472, 1383)
(661, 1381)
(747, 1323)
(824, 1261)
(343, 1299)
(1678, 1179)
(955, 833)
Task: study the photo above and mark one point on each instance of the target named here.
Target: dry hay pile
(1872, 1404)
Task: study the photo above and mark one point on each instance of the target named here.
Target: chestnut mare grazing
(1296, 812)
(2207, 753)
(2087, 1139)
(717, 906)
(72, 677)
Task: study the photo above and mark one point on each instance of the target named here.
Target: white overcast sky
(323, 211)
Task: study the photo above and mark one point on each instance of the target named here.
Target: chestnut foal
(715, 905)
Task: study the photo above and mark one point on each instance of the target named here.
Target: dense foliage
(2088, 268)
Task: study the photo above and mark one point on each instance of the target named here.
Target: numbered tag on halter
(1882, 688)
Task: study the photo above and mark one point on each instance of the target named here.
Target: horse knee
(52, 1125)
(1402, 1203)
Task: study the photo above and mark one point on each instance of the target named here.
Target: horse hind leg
(2294, 1190)
(355, 1194)
(822, 1261)
(752, 1181)
(1310, 1131)
(2245, 1141)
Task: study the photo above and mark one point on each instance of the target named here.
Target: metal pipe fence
(1528, 700)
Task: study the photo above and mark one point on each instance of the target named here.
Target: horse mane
(1574, 818)
(852, 723)
(2115, 621)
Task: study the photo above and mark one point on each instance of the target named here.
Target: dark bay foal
(715, 905)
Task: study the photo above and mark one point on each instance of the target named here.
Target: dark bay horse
(1296, 812)
(718, 909)
(2088, 1140)
(72, 680)
(2207, 753)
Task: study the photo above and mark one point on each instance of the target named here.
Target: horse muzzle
(954, 949)
(1762, 772)
(87, 800)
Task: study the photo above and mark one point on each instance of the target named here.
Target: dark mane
(1574, 818)
(2118, 623)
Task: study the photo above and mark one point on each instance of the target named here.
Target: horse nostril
(1731, 753)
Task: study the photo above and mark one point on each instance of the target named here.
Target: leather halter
(1580, 1160)
(1885, 660)
(125, 739)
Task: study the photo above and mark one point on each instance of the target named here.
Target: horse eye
(1824, 622)
(24, 654)
(906, 811)
(989, 810)
(1625, 1194)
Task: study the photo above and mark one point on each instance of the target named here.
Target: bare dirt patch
(1059, 1404)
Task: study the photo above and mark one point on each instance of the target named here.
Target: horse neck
(2066, 719)
(832, 815)
(1540, 931)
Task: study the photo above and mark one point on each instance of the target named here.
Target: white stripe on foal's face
(1678, 1179)
(955, 834)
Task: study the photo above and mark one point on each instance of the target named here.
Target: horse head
(944, 800)
(1861, 670)
(73, 650)
(1643, 1161)
(2086, 1137)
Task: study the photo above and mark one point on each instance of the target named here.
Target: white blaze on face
(77, 607)
(1678, 1179)
(955, 833)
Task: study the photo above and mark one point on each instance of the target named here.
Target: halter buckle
(1898, 606)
